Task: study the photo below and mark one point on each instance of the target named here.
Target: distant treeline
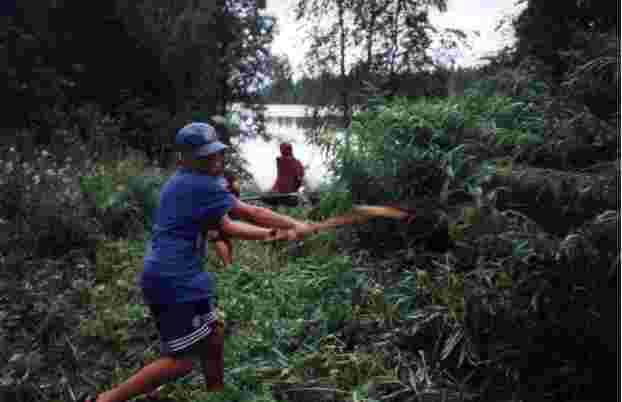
(325, 90)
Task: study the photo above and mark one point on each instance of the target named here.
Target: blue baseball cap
(200, 138)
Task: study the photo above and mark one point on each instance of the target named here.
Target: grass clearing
(268, 304)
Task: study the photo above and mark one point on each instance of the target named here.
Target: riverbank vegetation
(503, 288)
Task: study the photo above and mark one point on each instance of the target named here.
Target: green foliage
(100, 187)
(290, 293)
(145, 191)
(275, 308)
(517, 120)
(397, 124)
(124, 190)
(115, 298)
(270, 308)
(335, 200)
(108, 181)
(384, 140)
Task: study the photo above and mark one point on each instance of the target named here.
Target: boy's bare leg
(224, 251)
(229, 244)
(148, 378)
(212, 359)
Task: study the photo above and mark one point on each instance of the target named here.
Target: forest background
(505, 288)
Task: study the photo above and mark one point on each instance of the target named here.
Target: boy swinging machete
(179, 293)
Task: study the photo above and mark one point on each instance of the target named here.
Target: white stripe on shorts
(185, 341)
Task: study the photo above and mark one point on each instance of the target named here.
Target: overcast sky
(468, 15)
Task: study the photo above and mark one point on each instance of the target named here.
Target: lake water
(284, 123)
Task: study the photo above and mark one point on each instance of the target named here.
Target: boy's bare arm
(244, 231)
(268, 218)
(247, 231)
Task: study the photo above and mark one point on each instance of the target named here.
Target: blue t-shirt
(173, 271)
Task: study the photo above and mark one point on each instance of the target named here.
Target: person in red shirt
(290, 172)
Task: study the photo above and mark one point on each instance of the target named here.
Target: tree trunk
(342, 61)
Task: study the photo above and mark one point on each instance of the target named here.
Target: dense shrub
(42, 206)
(417, 143)
(506, 308)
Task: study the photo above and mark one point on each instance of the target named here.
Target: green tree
(576, 47)
(282, 88)
(153, 64)
(368, 41)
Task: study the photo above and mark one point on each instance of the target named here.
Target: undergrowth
(269, 303)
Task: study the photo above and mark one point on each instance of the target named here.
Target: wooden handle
(342, 220)
(362, 214)
(381, 211)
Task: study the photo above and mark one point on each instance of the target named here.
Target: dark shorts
(182, 326)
